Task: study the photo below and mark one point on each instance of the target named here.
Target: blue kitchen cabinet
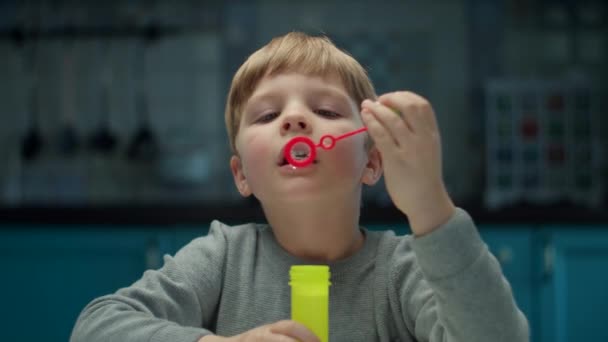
(181, 235)
(184, 235)
(50, 274)
(573, 279)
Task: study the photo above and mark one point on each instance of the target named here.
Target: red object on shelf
(529, 128)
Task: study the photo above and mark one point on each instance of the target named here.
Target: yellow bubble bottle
(310, 298)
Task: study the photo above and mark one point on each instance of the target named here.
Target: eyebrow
(261, 97)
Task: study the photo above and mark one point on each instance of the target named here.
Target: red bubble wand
(302, 145)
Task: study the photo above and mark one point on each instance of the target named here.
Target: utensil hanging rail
(151, 31)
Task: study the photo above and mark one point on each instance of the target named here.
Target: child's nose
(295, 123)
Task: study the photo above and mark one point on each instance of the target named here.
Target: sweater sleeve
(175, 303)
(451, 288)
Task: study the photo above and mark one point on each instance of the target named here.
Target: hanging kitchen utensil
(33, 142)
(144, 143)
(103, 139)
(68, 136)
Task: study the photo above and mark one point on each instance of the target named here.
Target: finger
(295, 330)
(394, 124)
(381, 137)
(416, 109)
(389, 116)
(272, 337)
(262, 333)
(266, 334)
(410, 105)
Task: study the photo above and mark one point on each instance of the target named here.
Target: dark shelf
(204, 213)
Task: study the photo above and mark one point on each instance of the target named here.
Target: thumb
(295, 330)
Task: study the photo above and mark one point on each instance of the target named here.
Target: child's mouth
(284, 162)
(297, 155)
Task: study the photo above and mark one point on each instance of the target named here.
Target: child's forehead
(317, 85)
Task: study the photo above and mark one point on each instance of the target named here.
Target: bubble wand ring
(327, 142)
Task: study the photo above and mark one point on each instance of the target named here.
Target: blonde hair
(294, 52)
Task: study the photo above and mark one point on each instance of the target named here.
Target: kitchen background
(113, 141)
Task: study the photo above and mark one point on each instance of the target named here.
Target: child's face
(289, 105)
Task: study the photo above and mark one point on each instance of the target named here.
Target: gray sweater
(444, 286)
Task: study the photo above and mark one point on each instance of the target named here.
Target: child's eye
(267, 117)
(327, 113)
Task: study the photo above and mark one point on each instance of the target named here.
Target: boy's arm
(460, 293)
(452, 289)
(169, 304)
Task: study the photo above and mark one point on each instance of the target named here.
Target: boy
(440, 284)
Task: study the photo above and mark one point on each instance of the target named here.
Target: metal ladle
(68, 137)
(32, 142)
(144, 144)
(103, 140)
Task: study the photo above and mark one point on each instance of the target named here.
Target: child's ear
(373, 169)
(239, 177)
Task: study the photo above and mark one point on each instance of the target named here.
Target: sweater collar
(275, 254)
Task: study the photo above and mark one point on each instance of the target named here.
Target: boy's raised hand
(281, 331)
(404, 129)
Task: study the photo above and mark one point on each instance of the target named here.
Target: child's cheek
(349, 156)
(255, 154)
